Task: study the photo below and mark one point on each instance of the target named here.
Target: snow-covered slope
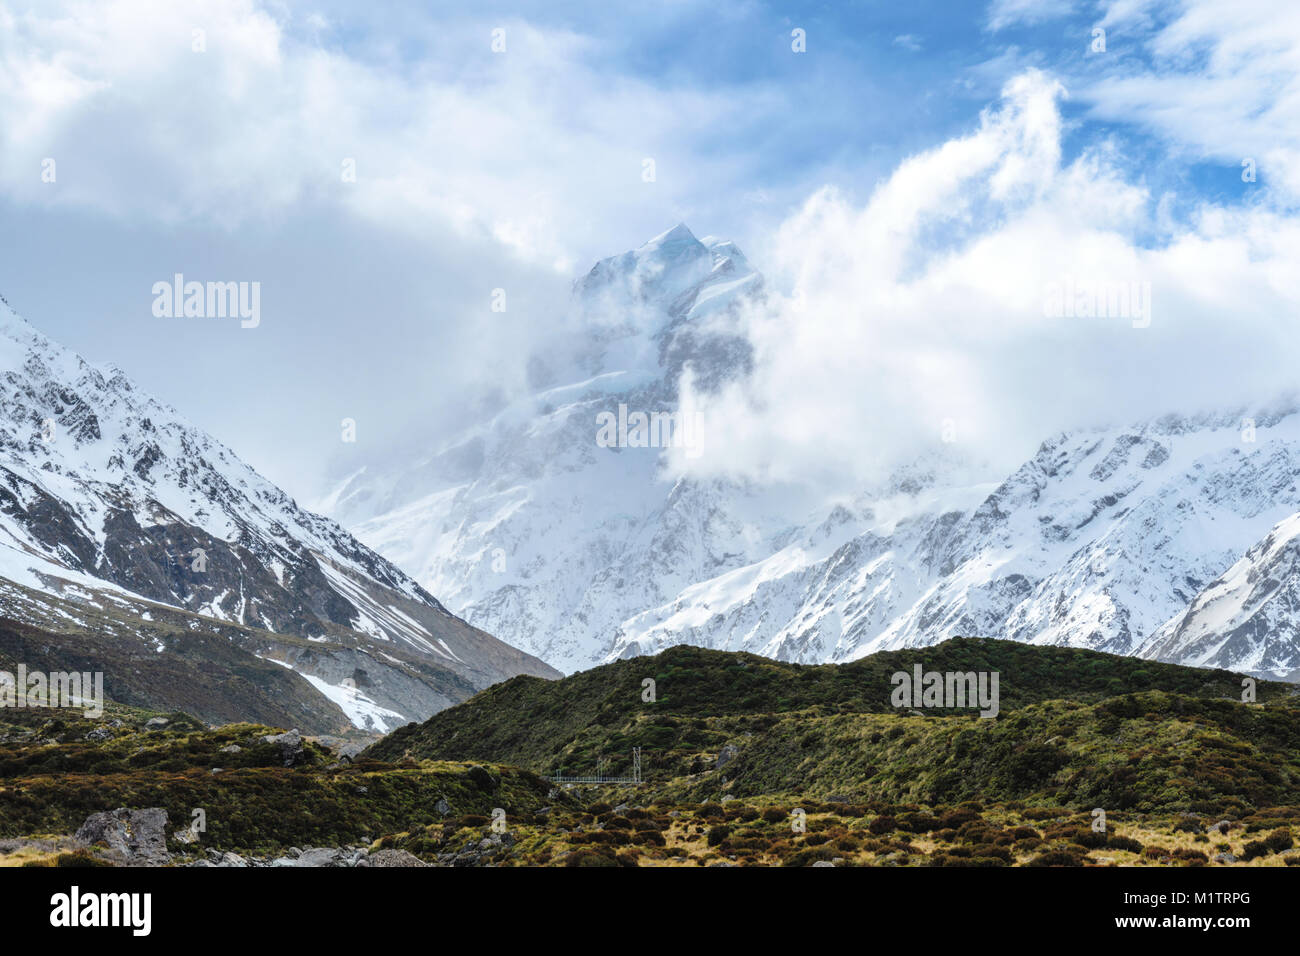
(104, 491)
(580, 553)
(1096, 542)
(1249, 617)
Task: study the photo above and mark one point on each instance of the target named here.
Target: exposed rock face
(132, 837)
(1246, 618)
(121, 518)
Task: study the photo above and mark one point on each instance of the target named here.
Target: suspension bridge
(601, 778)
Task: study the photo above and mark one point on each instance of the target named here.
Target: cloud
(924, 312)
(1007, 13)
(1221, 84)
(254, 117)
(210, 138)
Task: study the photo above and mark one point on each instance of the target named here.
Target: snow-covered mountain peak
(105, 490)
(674, 271)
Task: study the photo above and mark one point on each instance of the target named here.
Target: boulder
(290, 744)
(133, 837)
(321, 856)
(351, 750)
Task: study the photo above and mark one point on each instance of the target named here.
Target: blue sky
(478, 170)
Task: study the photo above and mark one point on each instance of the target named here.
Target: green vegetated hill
(260, 789)
(747, 761)
(1076, 728)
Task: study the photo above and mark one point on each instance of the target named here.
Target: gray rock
(823, 863)
(290, 744)
(442, 806)
(231, 749)
(726, 755)
(100, 733)
(392, 857)
(322, 857)
(1225, 858)
(350, 751)
(156, 723)
(133, 837)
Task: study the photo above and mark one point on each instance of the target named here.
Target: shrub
(586, 857)
(809, 857)
(955, 818)
(1118, 842)
(917, 823)
(718, 834)
(1254, 849)
(1279, 840)
(1058, 858)
(80, 858)
(1085, 837)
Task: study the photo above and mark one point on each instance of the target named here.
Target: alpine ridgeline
(1168, 539)
(135, 544)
